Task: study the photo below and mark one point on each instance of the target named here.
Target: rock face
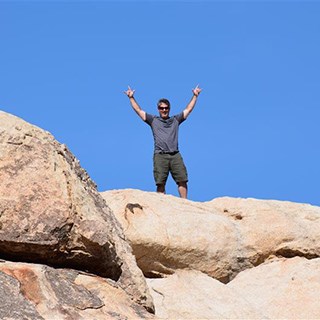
(30, 291)
(51, 213)
(277, 289)
(220, 238)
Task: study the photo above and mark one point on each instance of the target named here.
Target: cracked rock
(51, 212)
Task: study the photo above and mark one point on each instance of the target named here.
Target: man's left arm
(196, 91)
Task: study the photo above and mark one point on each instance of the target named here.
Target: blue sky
(255, 129)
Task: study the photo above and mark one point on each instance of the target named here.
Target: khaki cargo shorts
(163, 163)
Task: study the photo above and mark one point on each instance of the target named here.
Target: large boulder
(31, 291)
(190, 294)
(220, 238)
(277, 289)
(169, 233)
(270, 227)
(51, 212)
(282, 289)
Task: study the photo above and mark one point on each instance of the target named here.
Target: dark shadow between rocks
(100, 262)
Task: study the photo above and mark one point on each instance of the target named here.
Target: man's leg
(179, 174)
(161, 171)
(183, 189)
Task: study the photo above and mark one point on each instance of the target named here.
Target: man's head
(164, 108)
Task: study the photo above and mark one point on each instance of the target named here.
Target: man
(166, 157)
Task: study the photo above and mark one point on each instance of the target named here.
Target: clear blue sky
(255, 129)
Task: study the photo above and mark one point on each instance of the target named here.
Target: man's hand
(129, 92)
(196, 91)
(134, 104)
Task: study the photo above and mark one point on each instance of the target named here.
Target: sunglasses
(163, 108)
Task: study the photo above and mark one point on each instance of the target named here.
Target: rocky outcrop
(51, 212)
(220, 238)
(71, 256)
(33, 291)
(258, 259)
(277, 289)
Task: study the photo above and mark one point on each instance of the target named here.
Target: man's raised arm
(196, 91)
(134, 104)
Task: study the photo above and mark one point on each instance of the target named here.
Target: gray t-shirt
(165, 132)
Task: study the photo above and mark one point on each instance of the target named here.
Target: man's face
(163, 110)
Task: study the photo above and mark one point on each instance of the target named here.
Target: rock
(51, 212)
(273, 228)
(283, 289)
(169, 233)
(30, 291)
(190, 294)
(220, 238)
(277, 289)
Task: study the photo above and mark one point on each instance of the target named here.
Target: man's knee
(178, 169)
(160, 169)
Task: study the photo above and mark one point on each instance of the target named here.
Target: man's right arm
(134, 104)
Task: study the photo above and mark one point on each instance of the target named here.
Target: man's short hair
(163, 100)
